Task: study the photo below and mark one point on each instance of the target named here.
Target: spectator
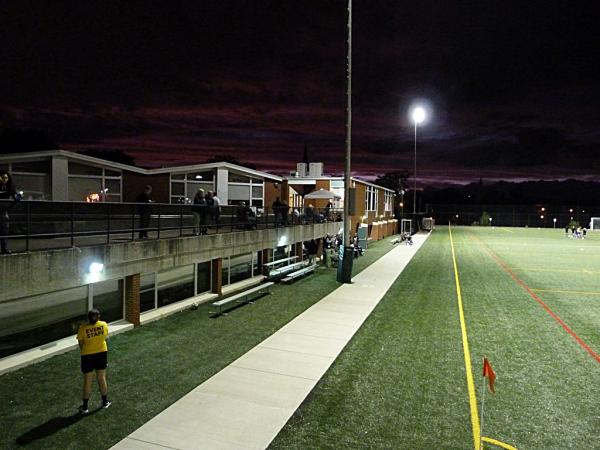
(284, 213)
(277, 211)
(199, 211)
(94, 352)
(144, 210)
(246, 217)
(312, 249)
(309, 213)
(216, 210)
(6, 192)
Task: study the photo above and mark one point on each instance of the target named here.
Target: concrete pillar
(60, 179)
(222, 185)
(319, 248)
(132, 299)
(217, 276)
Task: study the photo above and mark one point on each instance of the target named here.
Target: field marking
(498, 443)
(533, 295)
(467, 354)
(538, 269)
(468, 368)
(507, 230)
(563, 291)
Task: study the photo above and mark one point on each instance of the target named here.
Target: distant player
(94, 352)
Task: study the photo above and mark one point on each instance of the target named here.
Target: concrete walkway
(246, 404)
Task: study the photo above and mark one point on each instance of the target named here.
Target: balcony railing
(43, 225)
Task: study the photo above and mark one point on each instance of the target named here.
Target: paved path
(246, 404)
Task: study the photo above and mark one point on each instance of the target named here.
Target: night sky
(514, 86)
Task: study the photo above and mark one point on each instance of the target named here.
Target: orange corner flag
(489, 372)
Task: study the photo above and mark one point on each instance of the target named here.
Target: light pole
(344, 274)
(418, 115)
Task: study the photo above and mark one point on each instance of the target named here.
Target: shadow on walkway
(50, 427)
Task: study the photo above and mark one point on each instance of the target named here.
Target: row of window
(40, 319)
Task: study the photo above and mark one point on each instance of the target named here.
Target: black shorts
(95, 361)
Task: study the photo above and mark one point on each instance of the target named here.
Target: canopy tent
(321, 194)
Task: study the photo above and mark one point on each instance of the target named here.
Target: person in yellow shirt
(94, 351)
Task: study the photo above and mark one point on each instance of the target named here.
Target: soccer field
(411, 377)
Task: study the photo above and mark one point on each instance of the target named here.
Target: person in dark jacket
(199, 210)
(144, 210)
(7, 191)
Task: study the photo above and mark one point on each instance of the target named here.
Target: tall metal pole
(415, 177)
(344, 273)
(347, 170)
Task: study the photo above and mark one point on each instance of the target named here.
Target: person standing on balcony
(94, 358)
(199, 210)
(216, 211)
(144, 210)
(7, 191)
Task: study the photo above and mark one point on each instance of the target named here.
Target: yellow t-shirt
(93, 338)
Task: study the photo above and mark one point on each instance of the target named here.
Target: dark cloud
(513, 85)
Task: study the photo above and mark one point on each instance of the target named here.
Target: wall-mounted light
(95, 268)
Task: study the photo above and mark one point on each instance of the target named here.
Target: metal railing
(43, 225)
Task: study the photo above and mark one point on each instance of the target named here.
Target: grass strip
(150, 368)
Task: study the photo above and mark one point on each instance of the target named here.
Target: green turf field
(531, 301)
(401, 382)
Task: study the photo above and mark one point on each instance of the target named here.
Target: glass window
(280, 252)
(204, 277)
(240, 267)
(32, 167)
(111, 173)
(32, 321)
(257, 181)
(239, 192)
(114, 186)
(80, 188)
(108, 299)
(237, 178)
(175, 284)
(225, 272)
(4, 168)
(258, 203)
(200, 176)
(177, 189)
(34, 187)
(257, 191)
(81, 169)
(178, 176)
(147, 292)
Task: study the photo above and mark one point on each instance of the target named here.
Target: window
(32, 321)
(32, 178)
(184, 186)
(147, 292)
(239, 267)
(388, 201)
(245, 189)
(371, 198)
(175, 284)
(204, 278)
(85, 180)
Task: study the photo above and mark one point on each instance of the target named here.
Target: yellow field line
(498, 443)
(467, 353)
(476, 428)
(562, 291)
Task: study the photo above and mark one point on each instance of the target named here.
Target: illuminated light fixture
(95, 268)
(198, 177)
(542, 216)
(543, 209)
(418, 115)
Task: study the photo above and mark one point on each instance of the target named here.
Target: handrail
(43, 225)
